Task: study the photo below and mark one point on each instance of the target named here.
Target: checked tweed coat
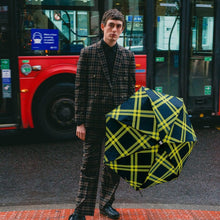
(96, 94)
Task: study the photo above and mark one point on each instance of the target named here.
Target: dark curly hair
(113, 14)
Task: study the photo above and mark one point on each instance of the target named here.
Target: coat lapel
(118, 61)
(103, 62)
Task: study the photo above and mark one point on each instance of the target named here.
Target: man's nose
(114, 28)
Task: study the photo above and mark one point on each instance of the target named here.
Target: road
(38, 171)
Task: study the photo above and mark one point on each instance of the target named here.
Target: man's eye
(118, 26)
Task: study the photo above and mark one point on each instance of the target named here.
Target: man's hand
(81, 132)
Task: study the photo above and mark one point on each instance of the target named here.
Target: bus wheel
(55, 112)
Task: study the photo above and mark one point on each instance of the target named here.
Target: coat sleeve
(132, 79)
(81, 85)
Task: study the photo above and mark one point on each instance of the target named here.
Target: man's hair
(113, 14)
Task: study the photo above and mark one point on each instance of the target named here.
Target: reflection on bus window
(202, 34)
(132, 37)
(207, 33)
(168, 25)
(168, 32)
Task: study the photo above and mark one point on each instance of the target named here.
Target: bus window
(202, 33)
(76, 29)
(132, 37)
(167, 48)
(165, 39)
(207, 33)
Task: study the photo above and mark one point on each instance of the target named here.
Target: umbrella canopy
(148, 138)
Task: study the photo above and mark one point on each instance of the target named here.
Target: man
(105, 78)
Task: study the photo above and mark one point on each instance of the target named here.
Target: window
(56, 30)
(168, 25)
(202, 33)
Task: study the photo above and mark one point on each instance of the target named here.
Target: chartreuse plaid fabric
(148, 138)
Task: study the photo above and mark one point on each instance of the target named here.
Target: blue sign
(6, 80)
(44, 39)
(6, 83)
(137, 18)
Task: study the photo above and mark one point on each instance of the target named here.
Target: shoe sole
(109, 216)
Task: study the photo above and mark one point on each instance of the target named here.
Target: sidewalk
(126, 214)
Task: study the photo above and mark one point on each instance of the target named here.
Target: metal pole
(150, 41)
(184, 48)
(216, 76)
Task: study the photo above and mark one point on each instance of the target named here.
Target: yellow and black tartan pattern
(148, 138)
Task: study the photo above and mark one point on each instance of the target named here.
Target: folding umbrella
(148, 138)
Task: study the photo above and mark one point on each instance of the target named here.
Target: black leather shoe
(110, 212)
(75, 216)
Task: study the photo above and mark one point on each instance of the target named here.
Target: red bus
(176, 46)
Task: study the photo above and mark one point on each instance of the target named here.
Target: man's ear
(102, 26)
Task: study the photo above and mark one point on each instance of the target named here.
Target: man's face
(112, 31)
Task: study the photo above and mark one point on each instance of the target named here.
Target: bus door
(8, 67)
(183, 64)
(200, 79)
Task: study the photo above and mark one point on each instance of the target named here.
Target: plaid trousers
(89, 175)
